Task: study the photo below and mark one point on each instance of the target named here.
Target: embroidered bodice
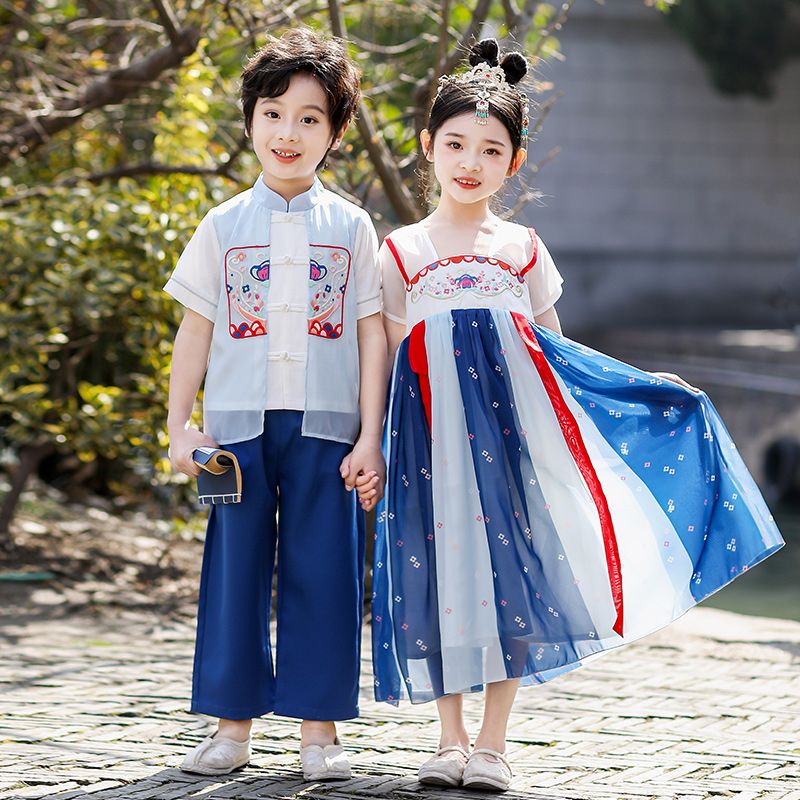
(510, 275)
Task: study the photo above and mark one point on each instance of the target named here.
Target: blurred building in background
(668, 201)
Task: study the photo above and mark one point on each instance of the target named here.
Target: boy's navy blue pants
(319, 538)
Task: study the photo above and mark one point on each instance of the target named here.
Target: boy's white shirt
(196, 279)
(512, 243)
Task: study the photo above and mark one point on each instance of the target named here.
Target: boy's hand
(671, 376)
(182, 443)
(364, 460)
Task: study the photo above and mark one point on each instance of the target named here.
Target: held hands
(182, 443)
(364, 470)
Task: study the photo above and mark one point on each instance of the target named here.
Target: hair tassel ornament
(525, 124)
(482, 108)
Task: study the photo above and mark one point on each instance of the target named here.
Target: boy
(293, 352)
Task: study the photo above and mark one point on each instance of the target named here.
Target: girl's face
(471, 161)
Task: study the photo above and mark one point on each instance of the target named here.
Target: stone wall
(667, 202)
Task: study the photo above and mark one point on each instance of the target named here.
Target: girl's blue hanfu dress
(544, 502)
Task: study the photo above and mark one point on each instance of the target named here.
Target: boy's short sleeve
(544, 281)
(394, 286)
(365, 269)
(195, 281)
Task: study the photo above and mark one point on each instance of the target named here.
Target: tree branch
(542, 111)
(110, 88)
(392, 49)
(520, 27)
(104, 22)
(441, 53)
(478, 18)
(168, 20)
(511, 12)
(528, 194)
(126, 171)
(423, 93)
(379, 154)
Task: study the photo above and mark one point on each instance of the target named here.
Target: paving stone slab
(707, 708)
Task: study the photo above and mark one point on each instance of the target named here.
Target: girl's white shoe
(445, 768)
(328, 763)
(216, 755)
(492, 773)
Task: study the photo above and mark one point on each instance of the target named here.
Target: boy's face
(291, 134)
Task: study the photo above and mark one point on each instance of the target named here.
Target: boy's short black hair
(268, 72)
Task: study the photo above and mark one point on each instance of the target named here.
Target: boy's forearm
(372, 362)
(189, 361)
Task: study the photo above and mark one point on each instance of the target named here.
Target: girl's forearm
(549, 319)
(395, 333)
(189, 361)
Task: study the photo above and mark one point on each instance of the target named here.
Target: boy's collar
(272, 200)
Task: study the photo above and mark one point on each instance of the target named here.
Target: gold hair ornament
(487, 77)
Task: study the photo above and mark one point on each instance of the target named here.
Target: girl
(544, 502)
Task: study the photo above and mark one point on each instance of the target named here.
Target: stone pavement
(709, 708)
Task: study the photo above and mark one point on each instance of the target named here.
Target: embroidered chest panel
(247, 278)
(479, 276)
(247, 285)
(328, 278)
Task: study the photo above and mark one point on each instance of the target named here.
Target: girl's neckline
(435, 253)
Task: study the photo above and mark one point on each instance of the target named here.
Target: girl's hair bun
(485, 51)
(514, 66)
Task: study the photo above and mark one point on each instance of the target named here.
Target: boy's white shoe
(491, 773)
(445, 767)
(328, 763)
(216, 755)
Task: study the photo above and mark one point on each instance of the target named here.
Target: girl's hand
(370, 490)
(671, 376)
(182, 443)
(365, 459)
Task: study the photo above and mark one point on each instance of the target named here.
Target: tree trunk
(29, 459)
